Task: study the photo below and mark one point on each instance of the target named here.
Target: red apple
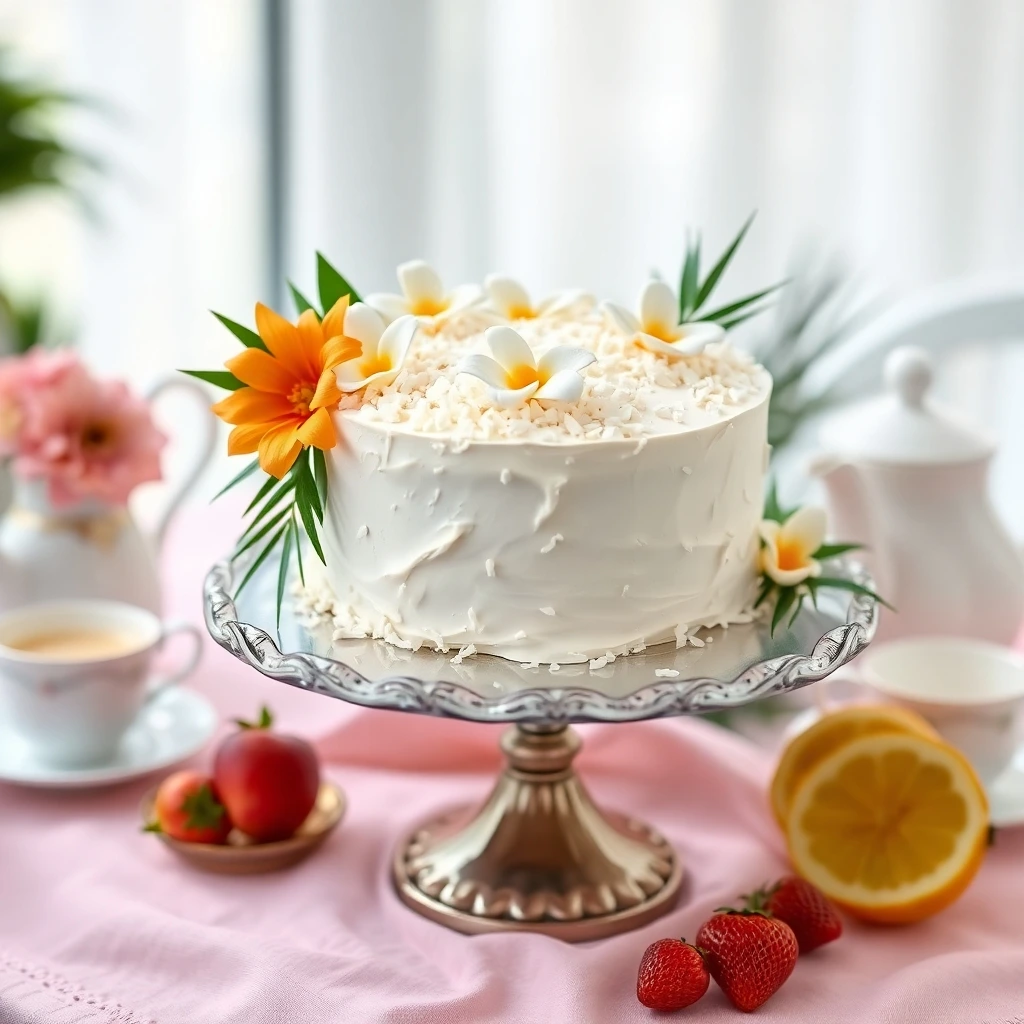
(187, 808)
(268, 781)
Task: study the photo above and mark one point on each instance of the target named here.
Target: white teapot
(90, 549)
(910, 481)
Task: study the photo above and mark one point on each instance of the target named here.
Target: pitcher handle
(207, 447)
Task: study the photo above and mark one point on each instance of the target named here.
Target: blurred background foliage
(33, 156)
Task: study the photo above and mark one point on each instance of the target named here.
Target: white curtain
(571, 142)
(179, 223)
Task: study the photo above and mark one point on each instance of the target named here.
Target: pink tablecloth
(98, 923)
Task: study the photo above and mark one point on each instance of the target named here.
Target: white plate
(1006, 794)
(175, 726)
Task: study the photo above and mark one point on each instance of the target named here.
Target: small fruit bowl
(241, 855)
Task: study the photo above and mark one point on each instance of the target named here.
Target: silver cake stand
(539, 855)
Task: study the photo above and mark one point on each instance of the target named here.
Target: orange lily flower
(290, 388)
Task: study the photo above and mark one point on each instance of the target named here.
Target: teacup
(75, 674)
(969, 690)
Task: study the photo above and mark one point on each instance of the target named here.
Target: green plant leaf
(301, 302)
(708, 286)
(767, 586)
(320, 475)
(725, 312)
(773, 510)
(787, 596)
(309, 522)
(831, 550)
(202, 808)
(249, 338)
(689, 278)
(796, 609)
(332, 285)
(837, 583)
(735, 321)
(235, 480)
(267, 486)
(298, 548)
(218, 378)
(305, 486)
(282, 568)
(271, 503)
(260, 559)
(265, 720)
(248, 540)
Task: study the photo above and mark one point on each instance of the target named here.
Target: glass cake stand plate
(539, 855)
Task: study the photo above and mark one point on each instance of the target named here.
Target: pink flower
(86, 437)
(19, 375)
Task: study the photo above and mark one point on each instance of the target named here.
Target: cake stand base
(538, 856)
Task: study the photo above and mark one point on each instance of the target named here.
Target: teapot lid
(904, 425)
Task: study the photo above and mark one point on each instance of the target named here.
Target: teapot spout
(849, 518)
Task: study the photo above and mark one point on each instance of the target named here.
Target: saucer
(1006, 794)
(177, 724)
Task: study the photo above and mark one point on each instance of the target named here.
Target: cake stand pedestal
(539, 855)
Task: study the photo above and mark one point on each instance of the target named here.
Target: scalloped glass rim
(657, 698)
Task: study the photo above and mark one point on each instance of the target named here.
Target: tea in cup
(75, 674)
(971, 692)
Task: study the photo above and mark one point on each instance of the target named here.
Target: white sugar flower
(423, 296)
(787, 556)
(658, 328)
(515, 376)
(384, 347)
(509, 299)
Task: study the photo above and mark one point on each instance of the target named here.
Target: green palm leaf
(837, 583)
(688, 281)
(260, 559)
(718, 269)
(282, 569)
(249, 338)
(301, 302)
(218, 378)
(332, 285)
(724, 312)
(787, 598)
(259, 534)
(234, 481)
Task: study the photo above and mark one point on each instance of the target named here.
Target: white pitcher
(910, 481)
(90, 549)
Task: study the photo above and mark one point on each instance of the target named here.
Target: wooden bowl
(241, 855)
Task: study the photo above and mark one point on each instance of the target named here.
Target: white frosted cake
(608, 502)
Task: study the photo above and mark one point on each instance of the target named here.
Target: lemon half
(829, 733)
(892, 826)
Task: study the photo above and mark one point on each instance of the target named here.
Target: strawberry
(812, 916)
(672, 975)
(187, 807)
(749, 953)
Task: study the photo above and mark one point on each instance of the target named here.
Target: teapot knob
(909, 372)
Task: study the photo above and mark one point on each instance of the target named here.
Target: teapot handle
(205, 452)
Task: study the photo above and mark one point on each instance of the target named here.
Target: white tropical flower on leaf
(657, 327)
(509, 299)
(424, 296)
(787, 555)
(384, 347)
(515, 375)
(794, 557)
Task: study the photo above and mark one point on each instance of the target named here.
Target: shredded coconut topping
(629, 393)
